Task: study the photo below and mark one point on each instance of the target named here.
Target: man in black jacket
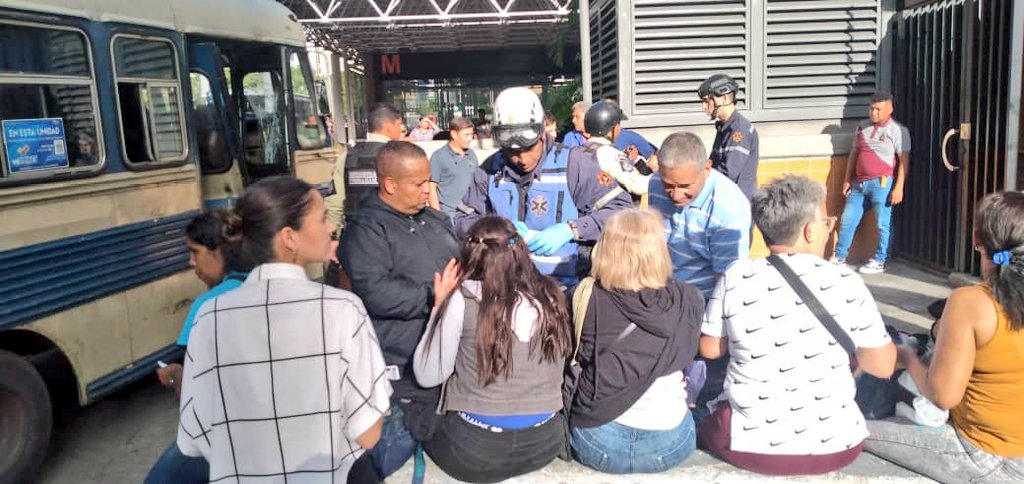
(391, 249)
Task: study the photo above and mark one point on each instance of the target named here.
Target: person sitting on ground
(788, 405)
(498, 341)
(639, 331)
(976, 369)
(426, 129)
(283, 376)
(391, 249)
(205, 242)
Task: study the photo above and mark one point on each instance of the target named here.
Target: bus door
(257, 86)
(216, 138)
(313, 158)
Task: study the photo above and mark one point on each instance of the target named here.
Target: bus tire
(26, 419)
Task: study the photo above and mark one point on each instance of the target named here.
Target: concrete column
(1013, 107)
(585, 84)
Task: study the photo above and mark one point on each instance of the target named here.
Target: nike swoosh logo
(799, 303)
(773, 289)
(848, 300)
(762, 397)
(816, 380)
(840, 365)
(749, 428)
(771, 421)
(793, 409)
(791, 390)
(775, 444)
(798, 432)
(748, 330)
(785, 370)
(749, 275)
(822, 419)
(777, 316)
(817, 398)
(804, 330)
(846, 274)
(825, 288)
(807, 357)
(826, 440)
(833, 343)
(779, 345)
(748, 303)
(754, 357)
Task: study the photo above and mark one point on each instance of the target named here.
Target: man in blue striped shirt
(707, 217)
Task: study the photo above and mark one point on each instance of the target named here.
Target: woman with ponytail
(283, 376)
(498, 338)
(977, 367)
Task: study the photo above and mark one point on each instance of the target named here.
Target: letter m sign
(390, 65)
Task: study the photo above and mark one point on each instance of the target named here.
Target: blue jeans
(864, 194)
(395, 446)
(617, 449)
(173, 467)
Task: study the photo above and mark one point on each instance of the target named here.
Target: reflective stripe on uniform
(607, 198)
(466, 209)
(737, 148)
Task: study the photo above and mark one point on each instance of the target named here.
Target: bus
(120, 122)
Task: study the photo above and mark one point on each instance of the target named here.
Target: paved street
(117, 439)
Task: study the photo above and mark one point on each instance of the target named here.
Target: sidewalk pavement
(902, 294)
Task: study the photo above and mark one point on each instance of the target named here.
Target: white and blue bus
(121, 120)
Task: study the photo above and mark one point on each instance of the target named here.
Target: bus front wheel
(25, 418)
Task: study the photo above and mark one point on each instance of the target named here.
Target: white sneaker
(839, 261)
(872, 267)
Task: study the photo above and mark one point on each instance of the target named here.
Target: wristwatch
(575, 229)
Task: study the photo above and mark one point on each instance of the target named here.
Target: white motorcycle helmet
(518, 118)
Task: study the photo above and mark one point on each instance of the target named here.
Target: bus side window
(148, 100)
(308, 129)
(213, 148)
(45, 73)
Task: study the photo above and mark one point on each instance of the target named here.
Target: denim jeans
(864, 194)
(173, 467)
(396, 444)
(617, 449)
(940, 453)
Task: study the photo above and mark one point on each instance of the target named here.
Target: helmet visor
(518, 136)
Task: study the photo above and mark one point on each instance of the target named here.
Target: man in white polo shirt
(874, 179)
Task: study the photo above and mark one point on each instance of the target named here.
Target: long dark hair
(495, 255)
(999, 226)
(265, 208)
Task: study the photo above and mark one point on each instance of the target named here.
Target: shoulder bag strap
(813, 304)
(580, 303)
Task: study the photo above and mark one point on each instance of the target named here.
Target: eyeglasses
(518, 136)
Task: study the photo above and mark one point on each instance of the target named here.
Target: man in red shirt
(876, 172)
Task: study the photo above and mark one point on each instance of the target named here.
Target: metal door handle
(945, 141)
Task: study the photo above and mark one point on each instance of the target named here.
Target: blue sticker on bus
(35, 144)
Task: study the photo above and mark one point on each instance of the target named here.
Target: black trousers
(472, 454)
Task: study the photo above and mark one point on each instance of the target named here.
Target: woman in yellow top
(977, 369)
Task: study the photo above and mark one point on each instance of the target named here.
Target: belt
(494, 428)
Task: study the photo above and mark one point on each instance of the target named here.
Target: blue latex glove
(550, 239)
(521, 229)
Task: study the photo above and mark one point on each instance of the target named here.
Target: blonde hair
(632, 253)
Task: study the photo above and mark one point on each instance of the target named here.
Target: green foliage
(559, 100)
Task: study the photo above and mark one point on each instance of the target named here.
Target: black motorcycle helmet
(717, 85)
(602, 117)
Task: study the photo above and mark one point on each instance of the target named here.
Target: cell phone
(161, 364)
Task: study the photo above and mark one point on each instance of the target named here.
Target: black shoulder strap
(813, 304)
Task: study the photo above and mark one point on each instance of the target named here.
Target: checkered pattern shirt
(281, 376)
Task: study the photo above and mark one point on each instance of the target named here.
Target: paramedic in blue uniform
(735, 151)
(558, 198)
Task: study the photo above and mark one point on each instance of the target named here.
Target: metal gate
(950, 83)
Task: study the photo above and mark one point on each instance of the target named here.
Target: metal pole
(335, 91)
(1013, 133)
(584, 12)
